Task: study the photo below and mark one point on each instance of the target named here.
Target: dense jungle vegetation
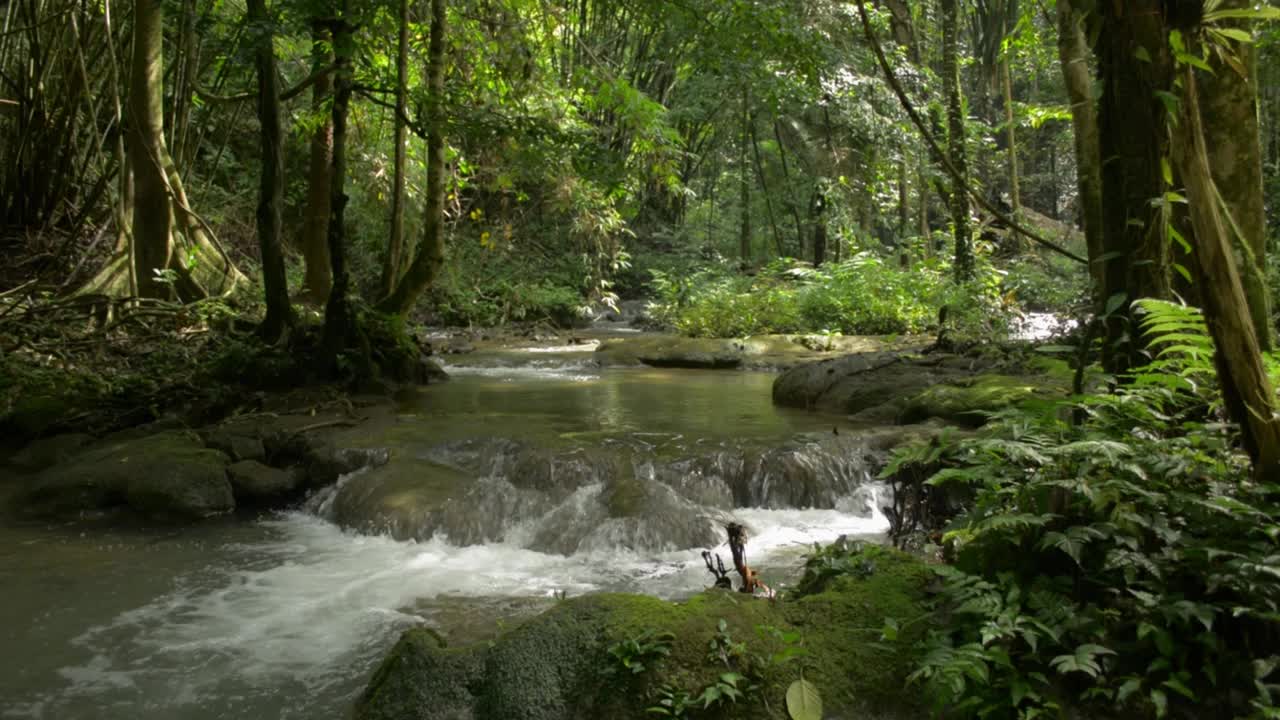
(205, 199)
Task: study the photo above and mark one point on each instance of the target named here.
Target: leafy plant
(638, 654)
(1125, 564)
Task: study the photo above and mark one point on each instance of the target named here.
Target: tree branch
(918, 121)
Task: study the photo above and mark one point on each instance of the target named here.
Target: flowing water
(506, 487)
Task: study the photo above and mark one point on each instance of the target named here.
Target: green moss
(556, 666)
(969, 402)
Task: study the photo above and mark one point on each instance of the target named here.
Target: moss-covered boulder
(758, 352)
(170, 476)
(869, 384)
(42, 453)
(558, 666)
(673, 351)
(970, 403)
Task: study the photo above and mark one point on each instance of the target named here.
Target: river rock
(239, 443)
(169, 476)
(320, 462)
(254, 482)
(969, 403)
(557, 666)
(673, 352)
(45, 452)
(868, 381)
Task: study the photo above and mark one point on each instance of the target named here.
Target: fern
(1178, 331)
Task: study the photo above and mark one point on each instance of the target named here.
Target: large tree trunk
(956, 141)
(161, 211)
(395, 262)
(339, 321)
(1132, 140)
(152, 227)
(1246, 388)
(1073, 51)
(1228, 103)
(430, 258)
(271, 183)
(315, 225)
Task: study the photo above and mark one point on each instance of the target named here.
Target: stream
(510, 485)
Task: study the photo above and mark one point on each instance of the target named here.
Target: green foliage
(1125, 564)
(843, 557)
(640, 653)
(804, 702)
(863, 295)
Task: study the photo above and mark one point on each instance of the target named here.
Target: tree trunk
(744, 183)
(1073, 51)
(339, 321)
(430, 258)
(817, 209)
(1015, 191)
(764, 188)
(1228, 103)
(956, 141)
(397, 253)
(1246, 388)
(786, 181)
(315, 225)
(271, 186)
(1133, 141)
(161, 210)
(152, 227)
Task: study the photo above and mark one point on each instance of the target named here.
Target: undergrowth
(1112, 557)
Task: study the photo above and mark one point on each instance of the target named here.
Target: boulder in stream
(169, 476)
(557, 666)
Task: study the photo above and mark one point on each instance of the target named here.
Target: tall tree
(271, 182)
(744, 181)
(1246, 386)
(1229, 105)
(430, 258)
(956, 140)
(1073, 52)
(162, 216)
(1135, 67)
(395, 261)
(340, 327)
(315, 222)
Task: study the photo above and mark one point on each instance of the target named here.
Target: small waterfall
(640, 493)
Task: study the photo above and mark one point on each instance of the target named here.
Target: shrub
(1125, 566)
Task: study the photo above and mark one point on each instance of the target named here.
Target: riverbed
(286, 614)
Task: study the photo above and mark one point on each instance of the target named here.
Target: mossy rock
(969, 403)
(33, 415)
(168, 476)
(670, 351)
(557, 666)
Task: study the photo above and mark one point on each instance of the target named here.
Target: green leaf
(803, 701)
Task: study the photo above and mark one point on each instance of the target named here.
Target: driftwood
(717, 570)
(738, 546)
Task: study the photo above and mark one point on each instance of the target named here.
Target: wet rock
(242, 444)
(673, 352)
(49, 451)
(416, 499)
(865, 381)
(321, 463)
(557, 665)
(252, 481)
(34, 415)
(628, 513)
(169, 476)
(969, 403)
